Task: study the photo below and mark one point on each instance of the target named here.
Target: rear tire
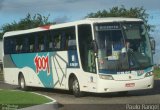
(22, 83)
(76, 88)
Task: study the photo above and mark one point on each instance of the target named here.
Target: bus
(98, 55)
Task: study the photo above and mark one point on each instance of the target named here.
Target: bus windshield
(122, 46)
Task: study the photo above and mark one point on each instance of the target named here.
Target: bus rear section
(39, 57)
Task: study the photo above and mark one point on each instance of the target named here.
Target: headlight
(148, 74)
(107, 77)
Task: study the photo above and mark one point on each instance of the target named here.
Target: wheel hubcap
(22, 83)
(75, 86)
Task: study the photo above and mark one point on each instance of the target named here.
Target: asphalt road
(110, 101)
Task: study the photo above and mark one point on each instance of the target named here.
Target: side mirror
(153, 44)
(94, 46)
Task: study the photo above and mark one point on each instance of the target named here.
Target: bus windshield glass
(122, 46)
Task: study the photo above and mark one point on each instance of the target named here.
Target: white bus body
(63, 56)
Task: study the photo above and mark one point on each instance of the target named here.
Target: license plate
(130, 84)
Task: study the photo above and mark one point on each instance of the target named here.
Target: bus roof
(61, 25)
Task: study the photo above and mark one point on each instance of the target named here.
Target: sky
(64, 10)
(71, 10)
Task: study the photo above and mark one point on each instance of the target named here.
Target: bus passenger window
(72, 44)
(31, 48)
(42, 42)
(25, 45)
(41, 47)
(21, 46)
(13, 43)
(18, 48)
(57, 42)
(50, 45)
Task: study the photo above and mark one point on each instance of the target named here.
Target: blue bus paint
(73, 59)
(27, 60)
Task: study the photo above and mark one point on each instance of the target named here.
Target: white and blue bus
(97, 55)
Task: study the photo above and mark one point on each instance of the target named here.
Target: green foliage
(156, 72)
(26, 23)
(123, 12)
(1, 34)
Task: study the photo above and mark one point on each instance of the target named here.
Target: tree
(26, 23)
(123, 12)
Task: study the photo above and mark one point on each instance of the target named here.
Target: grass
(21, 99)
(156, 73)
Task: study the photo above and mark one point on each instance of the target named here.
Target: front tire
(76, 88)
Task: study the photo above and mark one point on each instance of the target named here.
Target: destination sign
(107, 27)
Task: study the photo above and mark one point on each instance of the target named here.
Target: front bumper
(105, 86)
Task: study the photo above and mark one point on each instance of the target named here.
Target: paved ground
(100, 101)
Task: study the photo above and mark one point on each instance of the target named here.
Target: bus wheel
(22, 83)
(76, 88)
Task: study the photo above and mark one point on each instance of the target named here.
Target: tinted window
(52, 40)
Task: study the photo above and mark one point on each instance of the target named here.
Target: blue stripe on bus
(27, 60)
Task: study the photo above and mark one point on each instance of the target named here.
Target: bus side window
(25, 47)
(31, 48)
(57, 42)
(40, 44)
(13, 43)
(71, 44)
(18, 47)
(9, 46)
(70, 39)
(32, 43)
(46, 42)
(50, 45)
(61, 39)
(51, 39)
